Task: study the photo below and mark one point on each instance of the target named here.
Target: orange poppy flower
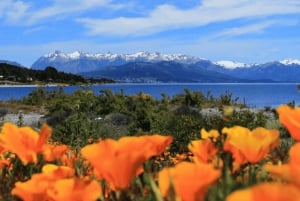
(267, 191)
(128, 154)
(25, 142)
(69, 159)
(52, 152)
(74, 189)
(290, 118)
(116, 166)
(57, 172)
(36, 188)
(190, 180)
(291, 171)
(149, 145)
(156, 144)
(212, 134)
(2, 149)
(249, 146)
(204, 151)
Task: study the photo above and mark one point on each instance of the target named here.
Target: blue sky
(250, 31)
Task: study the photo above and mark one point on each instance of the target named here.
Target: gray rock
(30, 119)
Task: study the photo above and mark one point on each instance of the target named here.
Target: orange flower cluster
(249, 146)
(112, 165)
(57, 183)
(25, 142)
(190, 180)
(267, 191)
(205, 149)
(288, 185)
(244, 145)
(119, 161)
(276, 191)
(290, 118)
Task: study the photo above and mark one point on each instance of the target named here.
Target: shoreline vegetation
(8, 83)
(15, 75)
(17, 84)
(34, 117)
(135, 113)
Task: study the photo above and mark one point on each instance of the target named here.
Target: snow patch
(138, 56)
(290, 61)
(232, 64)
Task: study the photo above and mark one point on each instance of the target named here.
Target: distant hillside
(24, 75)
(11, 63)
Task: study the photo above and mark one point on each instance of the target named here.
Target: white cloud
(166, 17)
(256, 28)
(65, 7)
(21, 12)
(222, 4)
(12, 11)
(162, 17)
(34, 29)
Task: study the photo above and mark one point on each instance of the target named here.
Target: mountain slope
(163, 71)
(275, 71)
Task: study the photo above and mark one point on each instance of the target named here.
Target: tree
(51, 73)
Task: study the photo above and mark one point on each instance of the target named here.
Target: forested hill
(12, 73)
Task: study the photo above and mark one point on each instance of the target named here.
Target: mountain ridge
(149, 57)
(158, 67)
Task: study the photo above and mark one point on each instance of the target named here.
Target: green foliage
(194, 99)
(78, 117)
(184, 128)
(20, 119)
(247, 118)
(226, 99)
(36, 97)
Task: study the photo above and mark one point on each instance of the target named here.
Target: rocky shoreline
(34, 119)
(28, 119)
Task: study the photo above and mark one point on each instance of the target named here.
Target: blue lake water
(254, 94)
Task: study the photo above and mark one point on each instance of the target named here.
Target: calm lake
(254, 94)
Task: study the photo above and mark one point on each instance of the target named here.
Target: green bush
(74, 116)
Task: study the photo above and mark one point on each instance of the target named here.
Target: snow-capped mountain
(77, 61)
(138, 56)
(175, 66)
